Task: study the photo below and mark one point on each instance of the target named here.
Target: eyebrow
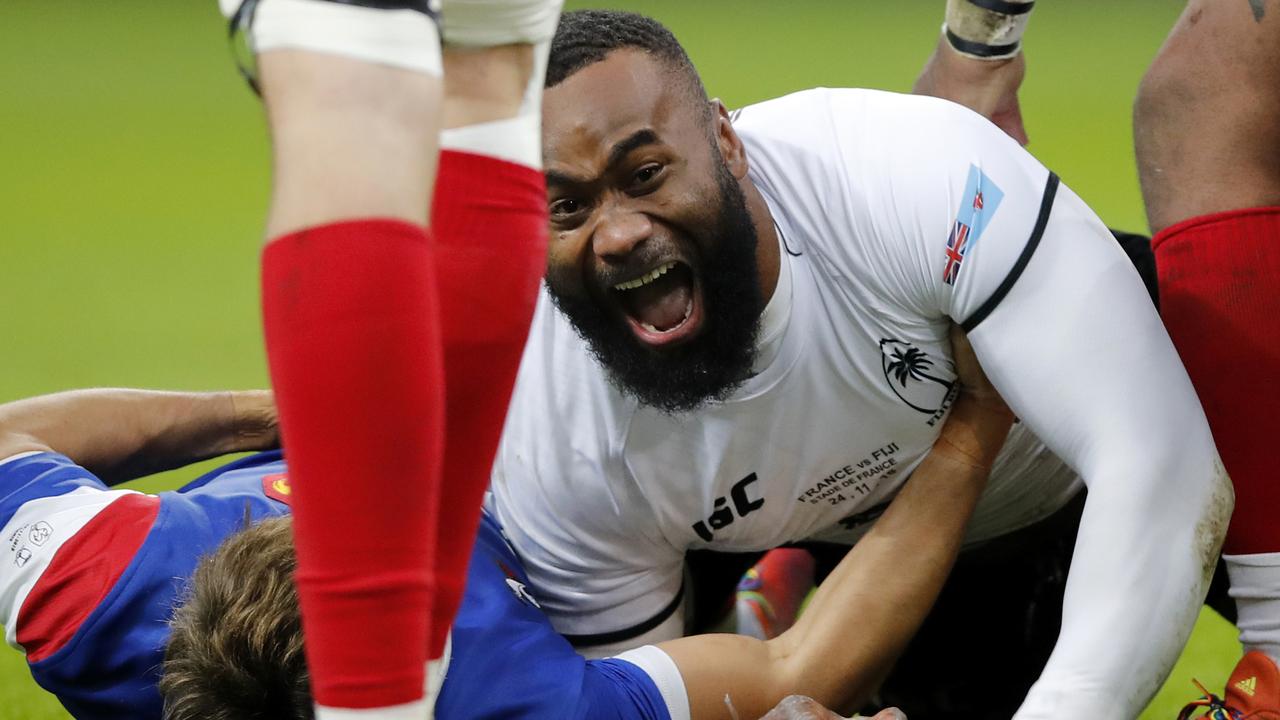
(637, 139)
(617, 153)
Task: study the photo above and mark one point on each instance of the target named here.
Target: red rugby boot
(1253, 693)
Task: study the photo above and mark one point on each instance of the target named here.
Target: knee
(1166, 92)
(1171, 135)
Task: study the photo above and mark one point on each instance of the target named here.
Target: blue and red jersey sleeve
(89, 576)
(67, 538)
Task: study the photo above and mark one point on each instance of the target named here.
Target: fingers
(799, 707)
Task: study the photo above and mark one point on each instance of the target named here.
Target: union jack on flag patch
(981, 197)
(957, 245)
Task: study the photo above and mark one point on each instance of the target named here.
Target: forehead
(609, 100)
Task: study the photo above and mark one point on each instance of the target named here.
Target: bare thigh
(1207, 117)
(485, 84)
(350, 139)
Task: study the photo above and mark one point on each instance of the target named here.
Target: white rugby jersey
(898, 215)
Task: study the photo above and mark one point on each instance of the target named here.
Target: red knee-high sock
(352, 328)
(1220, 299)
(490, 222)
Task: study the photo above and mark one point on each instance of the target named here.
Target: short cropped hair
(235, 647)
(585, 37)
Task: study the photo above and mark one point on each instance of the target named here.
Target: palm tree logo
(909, 372)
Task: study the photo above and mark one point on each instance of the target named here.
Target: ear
(731, 149)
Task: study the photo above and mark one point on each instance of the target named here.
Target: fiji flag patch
(978, 204)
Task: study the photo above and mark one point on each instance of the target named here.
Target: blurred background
(134, 177)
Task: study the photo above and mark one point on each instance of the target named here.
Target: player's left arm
(1063, 326)
(122, 434)
(1079, 352)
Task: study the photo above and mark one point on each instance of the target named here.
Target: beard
(710, 366)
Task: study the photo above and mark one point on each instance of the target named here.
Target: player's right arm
(863, 615)
(119, 434)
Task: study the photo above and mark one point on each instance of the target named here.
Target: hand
(255, 421)
(799, 707)
(988, 87)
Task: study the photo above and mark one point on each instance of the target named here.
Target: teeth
(646, 278)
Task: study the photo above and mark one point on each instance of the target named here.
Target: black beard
(714, 364)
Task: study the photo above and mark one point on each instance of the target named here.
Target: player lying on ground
(90, 578)
(1206, 129)
(362, 299)
(764, 298)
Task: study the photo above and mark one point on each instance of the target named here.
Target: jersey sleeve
(618, 688)
(52, 569)
(944, 206)
(37, 475)
(502, 635)
(963, 224)
(661, 671)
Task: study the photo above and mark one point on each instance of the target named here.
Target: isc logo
(724, 514)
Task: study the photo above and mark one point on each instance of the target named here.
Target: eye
(564, 207)
(647, 173)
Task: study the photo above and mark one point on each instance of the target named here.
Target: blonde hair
(235, 647)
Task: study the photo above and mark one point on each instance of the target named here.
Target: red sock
(490, 222)
(1220, 299)
(352, 331)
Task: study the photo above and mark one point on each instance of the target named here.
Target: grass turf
(135, 176)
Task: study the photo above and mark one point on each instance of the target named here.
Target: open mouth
(662, 306)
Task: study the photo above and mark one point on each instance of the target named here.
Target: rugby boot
(1253, 693)
(770, 594)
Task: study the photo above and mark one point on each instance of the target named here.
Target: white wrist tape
(987, 29)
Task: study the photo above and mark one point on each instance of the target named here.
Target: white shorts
(401, 34)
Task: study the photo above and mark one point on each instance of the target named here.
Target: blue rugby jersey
(89, 577)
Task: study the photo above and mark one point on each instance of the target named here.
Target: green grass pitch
(134, 177)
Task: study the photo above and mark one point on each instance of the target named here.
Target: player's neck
(767, 255)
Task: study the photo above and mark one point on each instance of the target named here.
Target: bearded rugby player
(743, 344)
